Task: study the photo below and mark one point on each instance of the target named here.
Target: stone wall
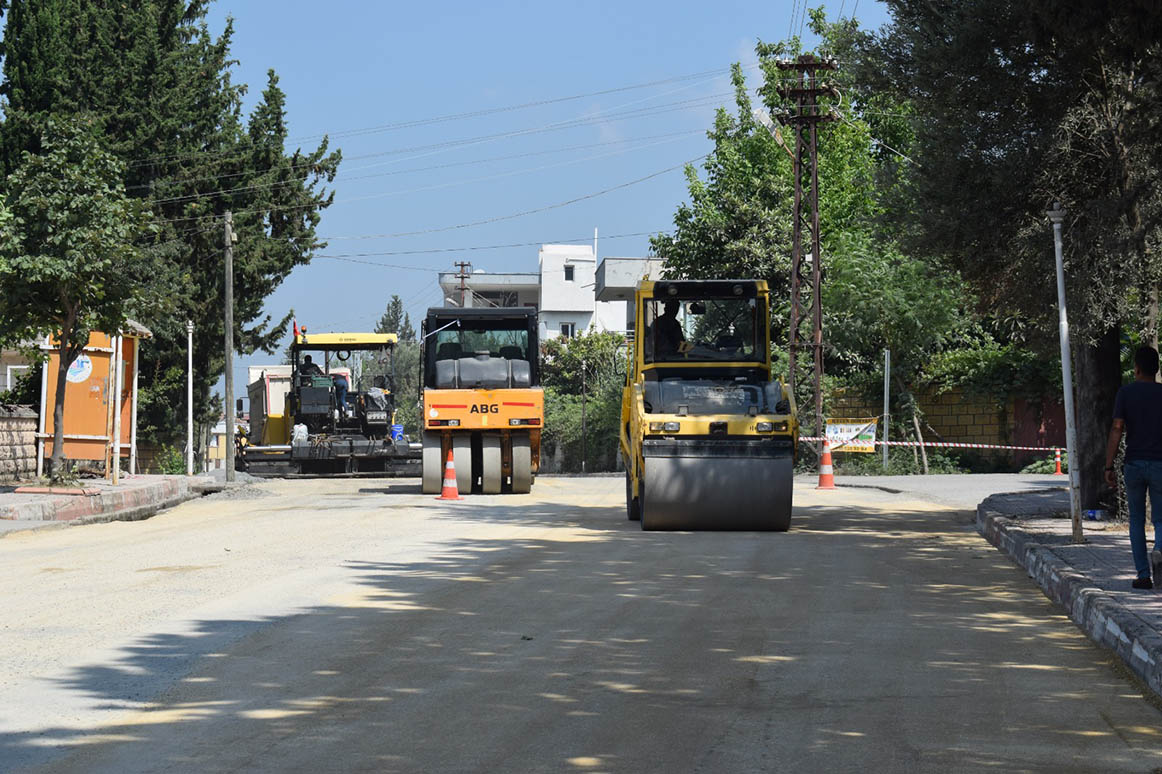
(17, 443)
(957, 417)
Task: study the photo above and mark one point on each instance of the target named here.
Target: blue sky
(351, 66)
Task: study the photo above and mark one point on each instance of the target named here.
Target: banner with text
(851, 435)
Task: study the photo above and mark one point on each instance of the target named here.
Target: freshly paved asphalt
(355, 625)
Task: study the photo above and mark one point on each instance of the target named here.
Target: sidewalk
(1091, 580)
(136, 497)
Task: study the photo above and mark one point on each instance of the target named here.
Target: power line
(465, 142)
(474, 223)
(446, 118)
(471, 248)
(510, 173)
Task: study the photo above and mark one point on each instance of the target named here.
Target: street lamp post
(1057, 216)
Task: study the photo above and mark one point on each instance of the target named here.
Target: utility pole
(1057, 217)
(190, 398)
(464, 273)
(805, 119)
(231, 238)
(584, 451)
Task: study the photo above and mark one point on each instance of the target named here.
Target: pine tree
(159, 87)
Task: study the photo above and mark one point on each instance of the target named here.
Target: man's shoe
(1156, 564)
(1143, 583)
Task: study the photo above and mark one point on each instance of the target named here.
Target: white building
(568, 291)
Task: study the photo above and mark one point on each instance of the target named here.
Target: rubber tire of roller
(522, 464)
(433, 466)
(632, 507)
(462, 459)
(490, 462)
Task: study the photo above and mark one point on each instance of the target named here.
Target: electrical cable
(450, 117)
(510, 173)
(473, 223)
(473, 248)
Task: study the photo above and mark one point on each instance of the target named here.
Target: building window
(568, 273)
(568, 330)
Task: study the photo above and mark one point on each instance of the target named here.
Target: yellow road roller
(708, 434)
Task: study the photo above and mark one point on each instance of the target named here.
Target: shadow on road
(590, 645)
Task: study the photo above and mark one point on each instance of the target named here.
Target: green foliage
(601, 356)
(157, 88)
(901, 462)
(407, 386)
(986, 367)
(170, 461)
(25, 390)
(396, 320)
(1048, 465)
(69, 263)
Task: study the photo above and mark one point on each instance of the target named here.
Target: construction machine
(331, 411)
(709, 435)
(482, 398)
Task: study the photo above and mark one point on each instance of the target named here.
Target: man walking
(1138, 413)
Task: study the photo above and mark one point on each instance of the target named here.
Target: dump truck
(709, 435)
(482, 399)
(330, 412)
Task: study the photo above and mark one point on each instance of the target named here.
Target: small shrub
(1047, 465)
(170, 461)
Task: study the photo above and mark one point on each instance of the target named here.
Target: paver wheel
(490, 463)
(522, 465)
(462, 459)
(433, 466)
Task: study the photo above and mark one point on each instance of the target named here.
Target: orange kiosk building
(100, 416)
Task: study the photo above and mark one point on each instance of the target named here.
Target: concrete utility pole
(190, 398)
(462, 275)
(118, 343)
(583, 435)
(1057, 217)
(805, 119)
(231, 238)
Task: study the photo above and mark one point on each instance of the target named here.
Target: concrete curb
(128, 504)
(1101, 616)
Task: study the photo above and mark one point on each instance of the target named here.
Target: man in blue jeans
(1138, 413)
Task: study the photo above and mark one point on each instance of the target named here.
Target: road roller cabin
(482, 398)
(708, 434)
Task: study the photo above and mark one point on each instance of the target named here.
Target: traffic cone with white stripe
(826, 474)
(449, 491)
(1057, 459)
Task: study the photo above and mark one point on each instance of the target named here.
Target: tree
(875, 295)
(396, 320)
(1022, 105)
(600, 356)
(406, 364)
(158, 87)
(69, 261)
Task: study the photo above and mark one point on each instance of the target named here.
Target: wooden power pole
(806, 284)
(462, 275)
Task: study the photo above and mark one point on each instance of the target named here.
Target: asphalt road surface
(355, 625)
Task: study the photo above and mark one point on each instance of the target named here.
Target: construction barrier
(951, 445)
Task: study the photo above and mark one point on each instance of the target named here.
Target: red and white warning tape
(945, 444)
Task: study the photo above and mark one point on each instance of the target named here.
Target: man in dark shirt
(310, 368)
(668, 334)
(1138, 412)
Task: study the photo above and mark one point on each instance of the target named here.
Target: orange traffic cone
(1057, 459)
(449, 490)
(826, 475)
